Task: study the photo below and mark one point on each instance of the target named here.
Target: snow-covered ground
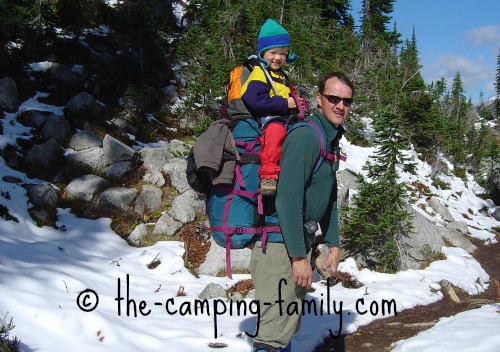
(82, 288)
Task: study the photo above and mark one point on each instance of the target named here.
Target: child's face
(276, 57)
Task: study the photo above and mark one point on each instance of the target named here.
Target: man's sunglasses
(333, 99)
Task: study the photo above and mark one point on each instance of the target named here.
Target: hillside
(102, 240)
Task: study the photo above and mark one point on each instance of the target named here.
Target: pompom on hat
(273, 35)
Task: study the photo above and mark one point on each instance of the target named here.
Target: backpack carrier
(237, 212)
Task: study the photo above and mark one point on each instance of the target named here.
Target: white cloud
(484, 35)
(475, 73)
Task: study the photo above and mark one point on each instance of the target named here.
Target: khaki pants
(276, 327)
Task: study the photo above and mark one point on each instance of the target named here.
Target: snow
(458, 330)
(80, 287)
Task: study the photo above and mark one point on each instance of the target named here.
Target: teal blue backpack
(238, 214)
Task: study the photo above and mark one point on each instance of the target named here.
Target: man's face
(334, 109)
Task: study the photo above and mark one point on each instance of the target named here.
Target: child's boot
(268, 187)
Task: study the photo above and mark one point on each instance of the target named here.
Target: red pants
(270, 153)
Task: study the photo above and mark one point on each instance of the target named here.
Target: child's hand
(291, 103)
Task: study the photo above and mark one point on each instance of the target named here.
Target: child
(270, 101)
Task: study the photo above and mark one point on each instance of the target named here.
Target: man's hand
(302, 272)
(332, 261)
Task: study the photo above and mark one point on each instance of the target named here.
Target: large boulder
(149, 200)
(186, 206)
(116, 151)
(85, 161)
(44, 159)
(58, 128)
(63, 74)
(43, 195)
(8, 94)
(426, 240)
(215, 260)
(85, 188)
(154, 159)
(176, 169)
(84, 140)
(118, 197)
(82, 107)
(440, 209)
(34, 118)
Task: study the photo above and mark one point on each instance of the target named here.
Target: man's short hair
(340, 76)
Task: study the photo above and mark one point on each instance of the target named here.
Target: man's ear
(318, 100)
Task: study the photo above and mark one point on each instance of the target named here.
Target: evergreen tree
(379, 219)
(27, 23)
(483, 110)
(376, 71)
(416, 103)
(459, 124)
(75, 15)
(492, 158)
(410, 67)
(497, 88)
(137, 19)
(338, 10)
(375, 17)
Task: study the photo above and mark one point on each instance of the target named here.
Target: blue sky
(452, 36)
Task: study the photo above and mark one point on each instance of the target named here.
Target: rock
(43, 195)
(63, 74)
(456, 239)
(495, 187)
(496, 213)
(186, 206)
(166, 225)
(215, 260)
(116, 151)
(34, 118)
(176, 169)
(44, 157)
(449, 291)
(137, 236)
(119, 197)
(117, 171)
(58, 128)
(85, 161)
(8, 94)
(149, 199)
(426, 236)
(11, 179)
(85, 188)
(440, 209)
(212, 291)
(84, 140)
(460, 226)
(82, 107)
(154, 159)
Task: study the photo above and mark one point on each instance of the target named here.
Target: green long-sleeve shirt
(302, 197)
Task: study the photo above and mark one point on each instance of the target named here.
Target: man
(283, 270)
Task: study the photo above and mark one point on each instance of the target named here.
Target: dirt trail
(379, 335)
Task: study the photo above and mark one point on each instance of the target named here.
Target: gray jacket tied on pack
(215, 152)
